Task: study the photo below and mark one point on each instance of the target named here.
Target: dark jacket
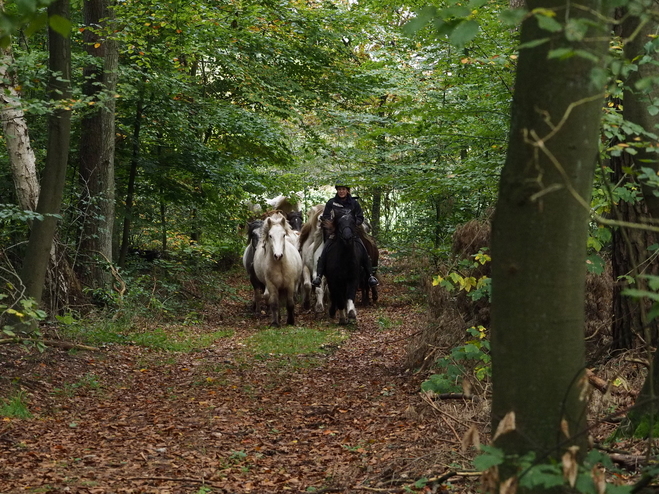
(339, 205)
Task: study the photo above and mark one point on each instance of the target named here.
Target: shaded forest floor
(229, 418)
(128, 419)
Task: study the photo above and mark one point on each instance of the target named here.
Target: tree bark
(637, 33)
(629, 258)
(376, 211)
(97, 144)
(37, 254)
(128, 212)
(15, 130)
(539, 236)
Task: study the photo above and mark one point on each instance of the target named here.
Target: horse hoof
(352, 315)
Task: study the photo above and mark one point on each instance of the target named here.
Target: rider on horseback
(343, 202)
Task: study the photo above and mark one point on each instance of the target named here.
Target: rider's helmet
(341, 183)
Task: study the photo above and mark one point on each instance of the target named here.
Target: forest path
(129, 419)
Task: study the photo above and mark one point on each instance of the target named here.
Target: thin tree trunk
(629, 258)
(539, 238)
(637, 35)
(97, 145)
(17, 137)
(128, 213)
(39, 246)
(376, 211)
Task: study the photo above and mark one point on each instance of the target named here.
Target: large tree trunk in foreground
(539, 236)
(39, 246)
(97, 144)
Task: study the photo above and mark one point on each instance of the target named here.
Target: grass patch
(88, 382)
(294, 341)
(174, 340)
(15, 407)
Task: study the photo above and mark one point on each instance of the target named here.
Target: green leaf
(575, 29)
(492, 456)
(533, 43)
(513, 17)
(548, 23)
(636, 293)
(561, 53)
(653, 281)
(595, 264)
(422, 18)
(464, 33)
(60, 25)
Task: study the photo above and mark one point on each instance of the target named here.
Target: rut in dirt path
(221, 420)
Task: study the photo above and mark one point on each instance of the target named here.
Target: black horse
(295, 220)
(374, 254)
(253, 236)
(342, 266)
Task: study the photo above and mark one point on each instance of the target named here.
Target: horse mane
(276, 218)
(310, 225)
(284, 204)
(252, 226)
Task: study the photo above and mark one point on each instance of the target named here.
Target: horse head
(345, 226)
(254, 232)
(295, 220)
(275, 229)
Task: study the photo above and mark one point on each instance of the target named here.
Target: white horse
(311, 246)
(278, 265)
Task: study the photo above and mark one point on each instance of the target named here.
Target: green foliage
(21, 320)
(88, 382)
(646, 423)
(469, 360)
(26, 15)
(586, 478)
(122, 331)
(476, 289)
(652, 294)
(15, 406)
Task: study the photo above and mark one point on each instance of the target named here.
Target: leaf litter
(129, 419)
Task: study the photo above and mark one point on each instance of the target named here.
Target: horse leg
(365, 296)
(350, 308)
(290, 311)
(273, 302)
(290, 303)
(343, 319)
(375, 293)
(322, 294)
(274, 309)
(306, 290)
(332, 310)
(257, 301)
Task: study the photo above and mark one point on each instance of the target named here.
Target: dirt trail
(132, 420)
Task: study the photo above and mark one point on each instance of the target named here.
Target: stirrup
(316, 282)
(373, 281)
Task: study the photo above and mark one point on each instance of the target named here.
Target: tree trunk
(37, 254)
(97, 144)
(637, 104)
(376, 211)
(15, 131)
(130, 194)
(629, 258)
(539, 236)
